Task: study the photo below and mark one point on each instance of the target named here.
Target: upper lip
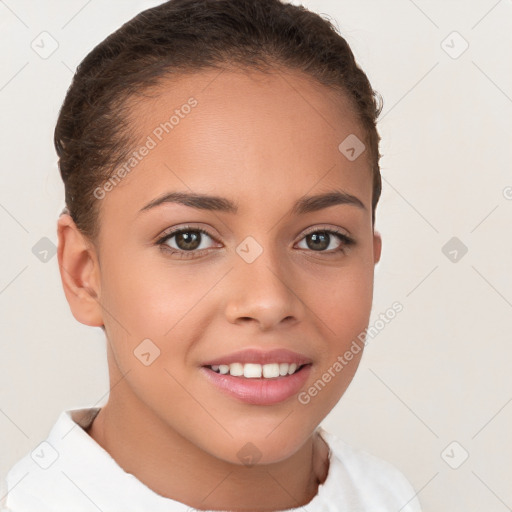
(258, 356)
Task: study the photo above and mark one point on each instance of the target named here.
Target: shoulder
(31, 482)
(19, 489)
(371, 482)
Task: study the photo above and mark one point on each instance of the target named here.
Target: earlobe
(377, 247)
(79, 272)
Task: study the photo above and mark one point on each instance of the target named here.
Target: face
(258, 280)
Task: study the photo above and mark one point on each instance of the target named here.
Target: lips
(259, 378)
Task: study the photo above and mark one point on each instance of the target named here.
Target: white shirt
(71, 472)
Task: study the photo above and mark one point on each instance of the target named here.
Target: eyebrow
(306, 204)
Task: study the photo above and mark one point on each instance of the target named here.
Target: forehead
(260, 136)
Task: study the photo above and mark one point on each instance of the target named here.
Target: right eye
(187, 242)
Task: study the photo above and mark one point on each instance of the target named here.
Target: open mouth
(259, 384)
(257, 371)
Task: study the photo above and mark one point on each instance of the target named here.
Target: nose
(263, 293)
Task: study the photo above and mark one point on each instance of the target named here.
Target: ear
(377, 247)
(79, 272)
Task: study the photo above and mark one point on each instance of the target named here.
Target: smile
(256, 377)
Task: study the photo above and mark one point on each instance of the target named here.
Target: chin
(259, 448)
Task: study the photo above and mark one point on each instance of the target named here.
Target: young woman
(221, 169)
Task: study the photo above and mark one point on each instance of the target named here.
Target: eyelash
(345, 240)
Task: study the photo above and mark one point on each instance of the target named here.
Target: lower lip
(259, 391)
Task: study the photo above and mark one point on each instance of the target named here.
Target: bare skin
(262, 141)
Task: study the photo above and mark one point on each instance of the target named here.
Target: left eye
(320, 241)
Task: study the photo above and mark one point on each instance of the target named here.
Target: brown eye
(318, 241)
(188, 240)
(185, 240)
(321, 240)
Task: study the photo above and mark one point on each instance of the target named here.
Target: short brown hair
(92, 135)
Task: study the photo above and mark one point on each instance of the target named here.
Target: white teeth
(256, 371)
(223, 368)
(271, 370)
(252, 371)
(236, 369)
(283, 368)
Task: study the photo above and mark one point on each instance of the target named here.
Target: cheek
(343, 302)
(147, 323)
(146, 298)
(157, 311)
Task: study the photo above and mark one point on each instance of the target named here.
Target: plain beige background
(434, 385)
